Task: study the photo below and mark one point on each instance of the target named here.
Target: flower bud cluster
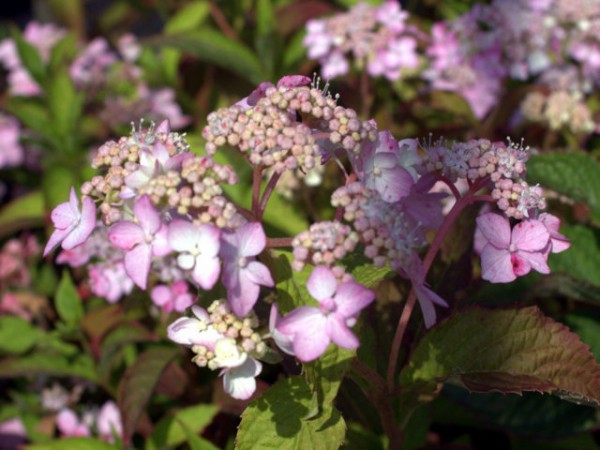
(559, 109)
(269, 135)
(479, 159)
(234, 330)
(324, 243)
(387, 231)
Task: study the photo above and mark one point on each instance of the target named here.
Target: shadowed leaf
(138, 384)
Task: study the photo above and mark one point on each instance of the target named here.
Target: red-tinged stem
(451, 186)
(245, 212)
(379, 397)
(256, 181)
(267, 193)
(279, 242)
(222, 22)
(409, 306)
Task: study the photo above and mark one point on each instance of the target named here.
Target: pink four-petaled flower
(313, 328)
(198, 248)
(508, 254)
(72, 226)
(140, 240)
(242, 274)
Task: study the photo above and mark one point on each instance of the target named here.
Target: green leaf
(214, 47)
(45, 363)
(30, 57)
(188, 18)
(170, 432)
(63, 51)
(196, 442)
(56, 183)
(574, 174)
(115, 341)
(587, 326)
(326, 373)
(138, 383)
(67, 301)
(509, 351)
(65, 104)
(582, 260)
(17, 335)
(290, 285)
(32, 113)
(24, 212)
(283, 418)
(79, 443)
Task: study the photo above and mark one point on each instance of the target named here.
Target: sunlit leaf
(283, 417)
(17, 335)
(214, 47)
(509, 351)
(169, 431)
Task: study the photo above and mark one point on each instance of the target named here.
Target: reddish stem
(409, 306)
(267, 193)
(451, 186)
(256, 181)
(279, 242)
(222, 22)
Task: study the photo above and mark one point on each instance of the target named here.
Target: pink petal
(160, 153)
(206, 271)
(160, 243)
(147, 215)
(125, 234)
(339, 332)
(537, 260)
(55, 239)
(394, 184)
(244, 295)
(427, 308)
(182, 302)
(293, 81)
(309, 346)
(64, 215)
(352, 297)
(495, 229)
(137, 264)
(530, 235)
(520, 265)
(239, 381)
(321, 283)
(161, 295)
(84, 228)
(251, 239)
(299, 319)
(67, 421)
(163, 127)
(259, 274)
(209, 239)
(137, 179)
(182, 235)
(496, 266)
